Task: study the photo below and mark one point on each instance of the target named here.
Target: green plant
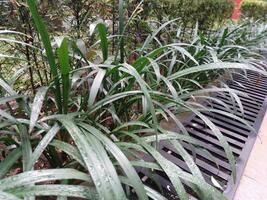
(254, 9)
(83, 134)
(191, 12)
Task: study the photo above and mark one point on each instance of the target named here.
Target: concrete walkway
(253, 185)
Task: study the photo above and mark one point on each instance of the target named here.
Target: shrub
(256, 9)
(208, 13)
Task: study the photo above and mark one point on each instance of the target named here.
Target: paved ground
(253, 185)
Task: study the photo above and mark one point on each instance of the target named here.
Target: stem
(27, 50)
(121, 29)
(113, 25)
(43, 62)
(34, 52)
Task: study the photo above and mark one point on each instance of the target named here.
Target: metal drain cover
(238, 135)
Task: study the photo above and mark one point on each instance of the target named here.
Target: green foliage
(48, 48)
(208, 13)
(86, 129)
(254, 9)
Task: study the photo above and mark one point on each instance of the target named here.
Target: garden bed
(87, 105)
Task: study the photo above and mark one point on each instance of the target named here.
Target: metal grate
(239, 137)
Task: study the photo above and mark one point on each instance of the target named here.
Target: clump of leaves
(84, 134)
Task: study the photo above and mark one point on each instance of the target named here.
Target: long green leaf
(96, 161)
(68, 149)
(214, 66)
(96, 86)
(7, 196)
(102, 30)
(42, 145)
(56, 190)
(9, 161)
(48, 48)
(37, 106)
(121, 158)
(63, 55)
(38, 176)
